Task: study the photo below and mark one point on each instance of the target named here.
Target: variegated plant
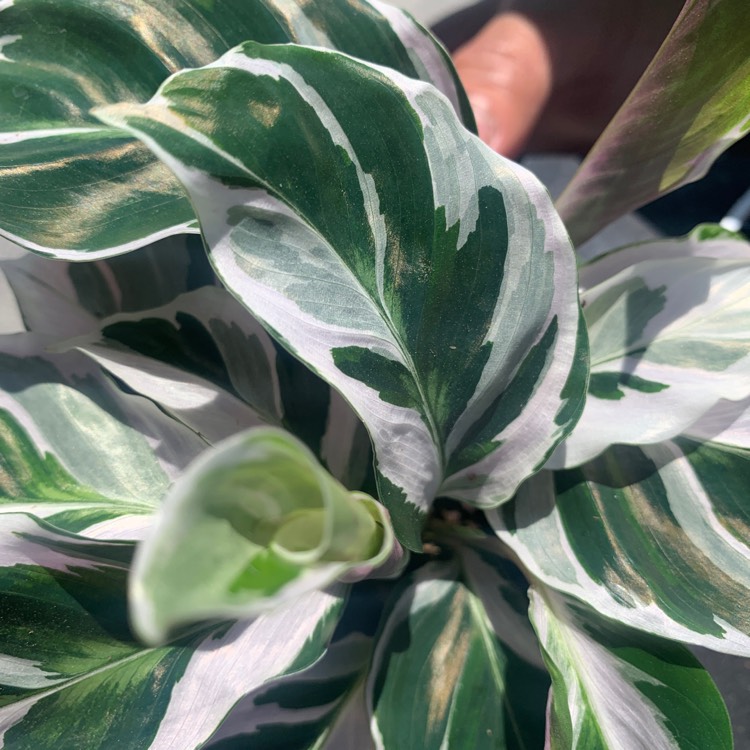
(214, 466)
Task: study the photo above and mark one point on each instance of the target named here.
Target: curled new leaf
(254, 522)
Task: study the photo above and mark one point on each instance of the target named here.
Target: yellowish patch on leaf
(265, 114)
(447, 662)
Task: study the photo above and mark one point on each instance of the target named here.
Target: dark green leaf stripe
(613, 687)
(501, 589)
(71, 674)
(219, 363)
(358, 264)
(442, 678)
(65, 299)
(69, 186)
(655, 537)
(208, 363)
(323, 706)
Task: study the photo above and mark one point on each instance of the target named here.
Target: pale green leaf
(439, 298)
(70, 187)
(690, 105)
(256, 521)
(617, 689)
(78, 450)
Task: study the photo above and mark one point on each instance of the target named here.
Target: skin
(540, 78)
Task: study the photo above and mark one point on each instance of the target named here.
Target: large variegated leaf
(64, 299)
(73, 676)
(669, 331)
(202, 358)
(78, 450)
(321, 707)
(324, 706)
(72, 188)
(617, 689)
(500, 588)
(255, 522)
(425, 277)
(442, 678)
(655, 537)
(690, 105)
(207, 362)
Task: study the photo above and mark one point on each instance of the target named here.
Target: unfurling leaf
(254, 522)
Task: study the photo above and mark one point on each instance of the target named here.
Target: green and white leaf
(208, 363)
(669, 331)
(76, 449)
(690, 105)
(440, 298)
(64, 299)
(321, 707)
(441, 677)
(254, 522)
(617, 689)
(73, 676)
(201, 358)
(654, 537)
(73, 188)
(501, 589)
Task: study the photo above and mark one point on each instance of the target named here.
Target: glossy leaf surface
(70, 187)
(76, 449)
(439, 299)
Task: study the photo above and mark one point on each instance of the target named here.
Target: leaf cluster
(314, 430)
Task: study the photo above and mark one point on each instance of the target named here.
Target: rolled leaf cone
(254, 522)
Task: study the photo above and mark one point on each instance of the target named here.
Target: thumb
(507, 73)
